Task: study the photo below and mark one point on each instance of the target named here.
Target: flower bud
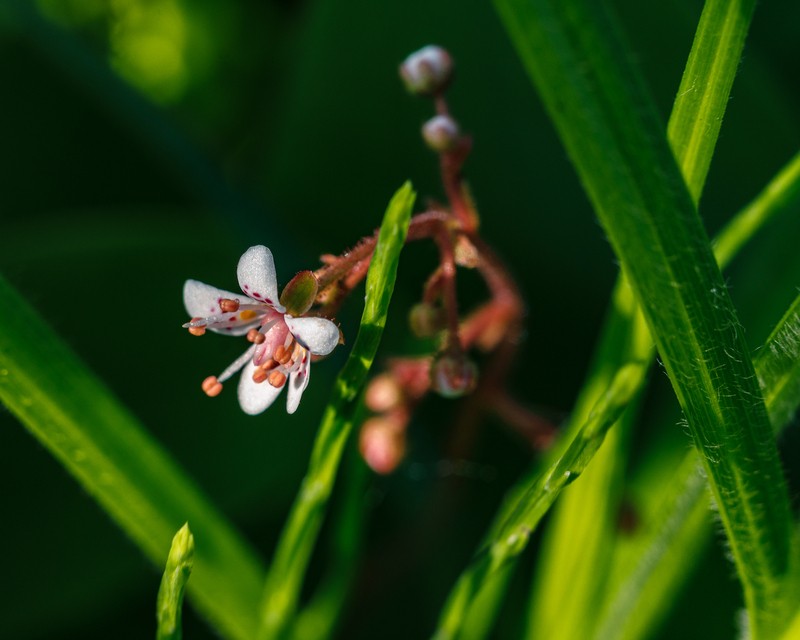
(428, 71)
(453, 376)
(383, 393)
(382, 444)
(300, 293)
(441, 133)
(426, 320)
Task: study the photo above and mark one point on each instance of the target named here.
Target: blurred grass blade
(173, 585)
(78, 420)
(524, 511)
(613, 136)
(569, 588)
(319, 618)
(780, 192)
(654, 565)
(297, 540)
(700, 103)
(778, 368)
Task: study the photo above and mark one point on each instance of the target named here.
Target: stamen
(195, 329)
(269, 365)
(227, 305)
(282, 355)
(255, 336)
(277, 378)
(237, 364)
(212, 386)
(259, 375)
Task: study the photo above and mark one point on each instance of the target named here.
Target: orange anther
(259, 375)
(255, 336)
(212, 386)
(282, 354)
(226, 305)
(277, 379)
(196, 331)
(247, 314)
(269, 365)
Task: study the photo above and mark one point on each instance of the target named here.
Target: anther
(283, 354)
(212, 386)
(255, 336)
(277, 378)
(269, 365)
(197, 331)
(226, 305)
(259, 375)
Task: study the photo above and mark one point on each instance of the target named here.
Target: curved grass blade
(299, 535)
(778, 367)
(526, 508)
(612, 134)
(173, 585)
(78, 420)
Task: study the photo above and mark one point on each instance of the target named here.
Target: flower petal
(255, 397)
(202, 300)
(257, 276)
(298, 381)
(318, 335)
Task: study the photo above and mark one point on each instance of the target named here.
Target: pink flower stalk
(282, 345)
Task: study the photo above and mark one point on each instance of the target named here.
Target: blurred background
(143, 142)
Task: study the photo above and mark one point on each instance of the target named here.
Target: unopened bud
(300, 293)
(441, 133)
(428, 71)
(426, 320)
(453, 376)
(382, 444)
(383, 393)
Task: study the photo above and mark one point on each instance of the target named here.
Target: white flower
(282, 345)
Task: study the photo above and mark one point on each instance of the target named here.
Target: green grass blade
(655, 564)
(300, 533)
(706, 85)
(173, 585)
(613, 136)
(570, 588)
(78, 420)
(778, 367)
(625, 338)
(523, 512)
(569, 584)
(780, 192)
(319, 618)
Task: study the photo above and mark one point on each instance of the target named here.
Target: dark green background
(293, 130)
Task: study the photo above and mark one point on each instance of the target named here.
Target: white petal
(255, 397)
(318, 335)
(298, 381)
(202, 300)
(257, 276)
